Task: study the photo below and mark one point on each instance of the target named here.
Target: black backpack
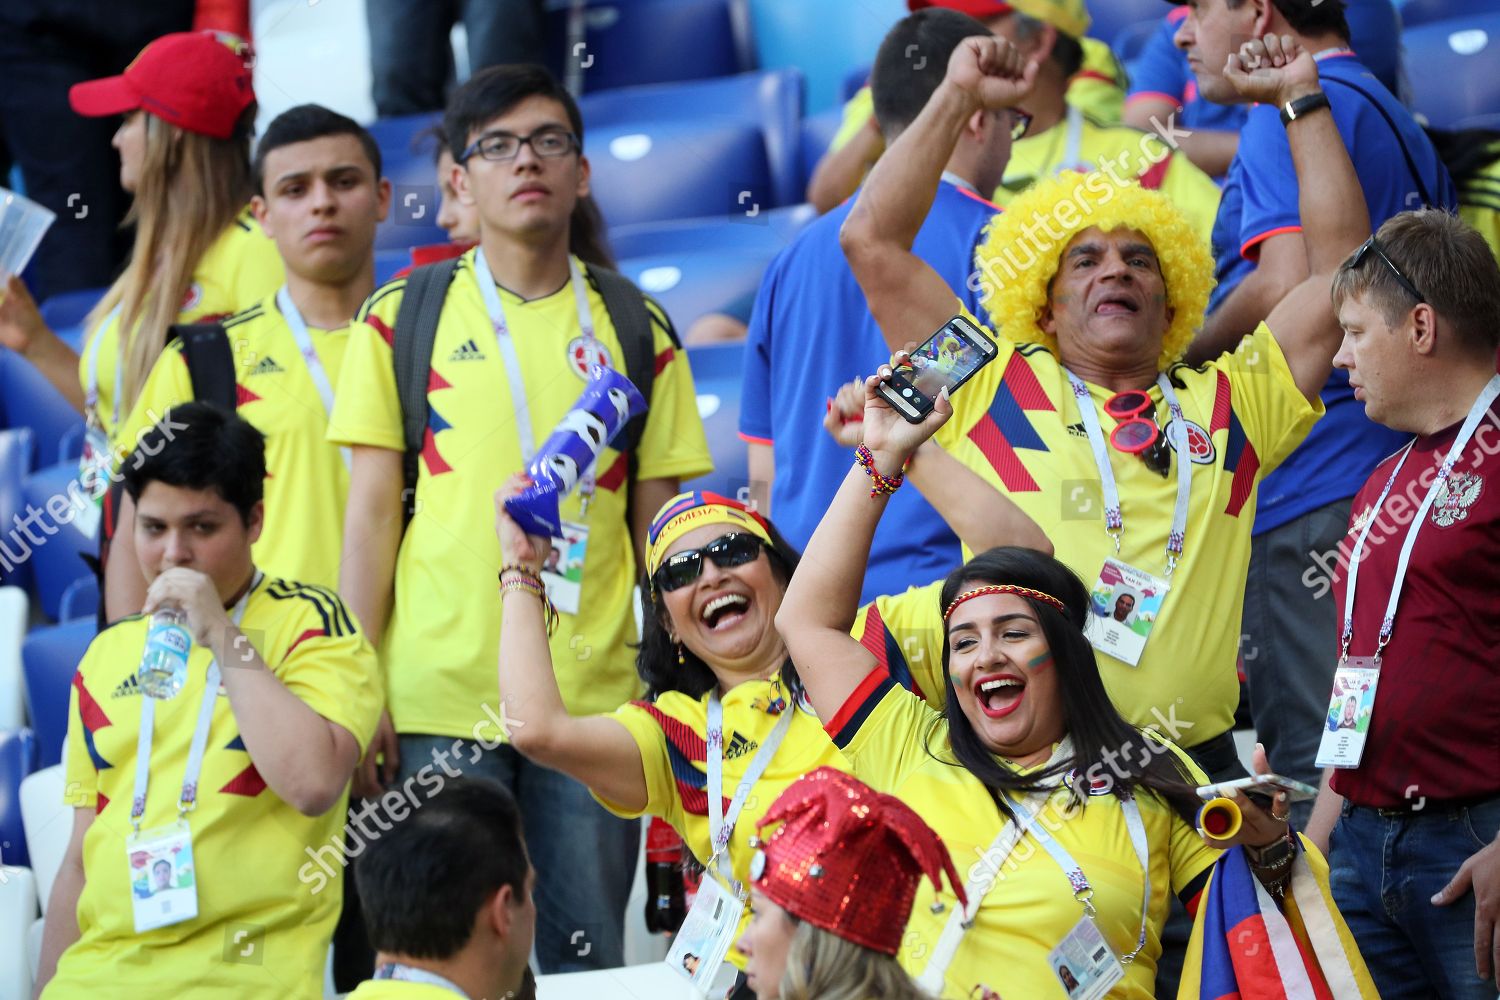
(416, 331)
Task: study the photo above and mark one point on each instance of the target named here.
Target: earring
(681, 660)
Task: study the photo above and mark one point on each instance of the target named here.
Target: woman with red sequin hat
(831, 889)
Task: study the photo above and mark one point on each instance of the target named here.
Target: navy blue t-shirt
(1260, 201)
(810, 333)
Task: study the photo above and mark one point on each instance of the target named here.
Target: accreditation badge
(1350, 709)
(1123, 608)
(710, 928)
(94, 468)
(563, 573)
(163, 881)
(1084, 964)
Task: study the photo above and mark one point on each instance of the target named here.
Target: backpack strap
(626, 305)
(210, 362)
(411, 353)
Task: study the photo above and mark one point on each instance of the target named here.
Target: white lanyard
(298, 326)
(91, 389)
(1388, 623)
(721, 824)
(1114, 520)
(983, 878)
(401, 972)
(146, 735)
(1074, 148)
(512, 360)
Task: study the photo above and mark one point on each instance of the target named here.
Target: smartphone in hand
(948, 359)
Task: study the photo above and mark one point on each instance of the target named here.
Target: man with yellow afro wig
(1141, 470)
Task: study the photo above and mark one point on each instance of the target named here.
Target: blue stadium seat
(854, 80)
(770, 101)
(691, 285)
(1415, 12)
(649, 172)
(827, 41)
(58, 561)
(1456, 62)
(718, 371)
(49, 659)
(1375, 33)
(27, 399)
(1111, 17)
(70, 308)
(817, 135)
(770, 230)
(15, 463)
(18, 758)
(1130, 40)
(414, 195)
(624, 42)
(80, 600)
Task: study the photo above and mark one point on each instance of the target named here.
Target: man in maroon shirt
(1414, 854)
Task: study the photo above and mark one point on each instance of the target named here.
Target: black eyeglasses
(1364, 251)
(549, 143)
(727, 551)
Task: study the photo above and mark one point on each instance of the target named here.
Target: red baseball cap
(197, 80)
(1071, 17)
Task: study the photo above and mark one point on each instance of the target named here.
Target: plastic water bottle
(164, 666)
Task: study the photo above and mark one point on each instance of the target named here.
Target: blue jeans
(411, 57)
(1384, 871)
(585, 858)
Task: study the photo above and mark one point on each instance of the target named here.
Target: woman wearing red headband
(831, 890)
(725, 722)
(1027, 753)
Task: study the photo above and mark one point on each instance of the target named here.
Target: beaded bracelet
(882, 486)
(523, 580)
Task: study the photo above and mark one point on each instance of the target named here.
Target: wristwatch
(1273, 856)
(1302, 106)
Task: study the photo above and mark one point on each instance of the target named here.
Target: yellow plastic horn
(1219, 819)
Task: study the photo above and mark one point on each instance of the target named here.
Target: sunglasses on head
(1373, 245)
(1136, 433)
(727, 551)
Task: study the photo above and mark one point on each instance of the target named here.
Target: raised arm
(1335, 219)
(823, 597)
(981, 516)
(23, 330)
(906, 296)
(596, 750)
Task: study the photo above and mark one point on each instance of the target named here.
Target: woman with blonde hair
(184, 145)
(831, 889)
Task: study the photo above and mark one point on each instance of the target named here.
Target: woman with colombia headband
(185, 155)
(830, 891)
(1028, 748)
(716, 572)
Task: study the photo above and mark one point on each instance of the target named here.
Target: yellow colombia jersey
(440, 644)
(899, 745)
(240, 268)
(1016, 423)
(248, 844)
(670, 735)
(307, 481)
(1479, 200)
(392, 989)
(904, 632)
(1080, 142)
(1098, 90)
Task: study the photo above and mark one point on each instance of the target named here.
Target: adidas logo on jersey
(467, 351)
(128, 687)
(267, 366)
(739, 746)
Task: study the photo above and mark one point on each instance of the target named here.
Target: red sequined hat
(848, 858)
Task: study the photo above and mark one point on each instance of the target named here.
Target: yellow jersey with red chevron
(239, 269)
(904, 632)
(1082, 142)
(1018, 425)
(248, 844)
(670, 734)
(440, 644)
(307, 482)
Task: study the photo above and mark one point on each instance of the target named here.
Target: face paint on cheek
(1039, 664)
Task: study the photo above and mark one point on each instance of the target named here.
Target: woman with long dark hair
(1027, 753)
(722, 695)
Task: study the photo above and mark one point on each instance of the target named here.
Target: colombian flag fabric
(1245, 947)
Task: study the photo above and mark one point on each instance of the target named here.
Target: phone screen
(945, 361)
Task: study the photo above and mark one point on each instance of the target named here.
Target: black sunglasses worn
(727, 551)
(1364, 251)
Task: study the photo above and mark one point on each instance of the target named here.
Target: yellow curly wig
(1015, 268)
